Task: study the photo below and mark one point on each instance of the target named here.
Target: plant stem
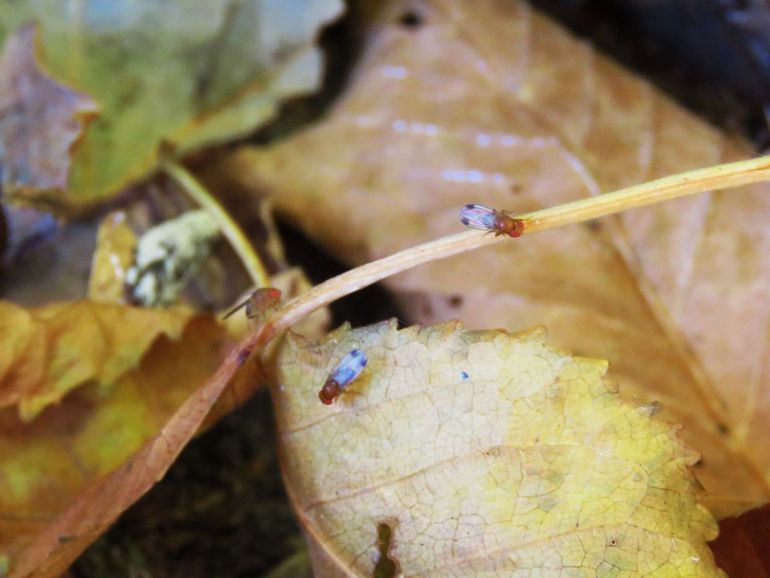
(227, 225)
(713, 178)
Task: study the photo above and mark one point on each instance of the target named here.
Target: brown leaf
(37, 155)
(743, 546)
(456, 102)
(485, 454)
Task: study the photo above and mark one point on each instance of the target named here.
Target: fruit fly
(346, 371)
(478, 216)
(258, 303)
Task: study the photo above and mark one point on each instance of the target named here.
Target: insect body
(258, 303)
(346, 371)
(478, 216)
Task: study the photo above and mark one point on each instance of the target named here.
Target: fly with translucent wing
(347, 371)
(259, 302)
(477, 216)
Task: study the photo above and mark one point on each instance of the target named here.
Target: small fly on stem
(485, 218)
(258, 303)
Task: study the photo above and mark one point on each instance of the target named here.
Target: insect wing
(349, 368)
(478, 216)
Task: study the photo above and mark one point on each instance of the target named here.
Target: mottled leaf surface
(41, 120)
(486, 454)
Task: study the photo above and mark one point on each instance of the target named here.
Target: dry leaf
(48, 351)
(113, 256)
(743, 546)
(197, 73)
(73, 470)
(69, 473)
(456, 102)
(486, 454)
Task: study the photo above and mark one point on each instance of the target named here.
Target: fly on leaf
(346, 371)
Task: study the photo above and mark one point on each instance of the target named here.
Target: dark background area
(221, 511)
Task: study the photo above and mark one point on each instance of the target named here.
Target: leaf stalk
(230, 229)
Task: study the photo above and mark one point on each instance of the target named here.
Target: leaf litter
(101, 397)
(692, 528)
(468, 105)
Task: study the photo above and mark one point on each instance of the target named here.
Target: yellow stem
(227, 225)
(713, 178)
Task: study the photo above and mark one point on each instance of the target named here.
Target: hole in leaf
(723, 429)
(594, 226)
(386, 567)
(411, 19)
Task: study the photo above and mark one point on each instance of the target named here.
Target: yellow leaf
(114, 254)
(490, 102)
(71, 471)
(486, 454)
(68, 474)
(48, 351)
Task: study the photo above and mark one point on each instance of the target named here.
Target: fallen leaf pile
(464, 452)
(457, 102)
(486, 454)
(97, 399)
